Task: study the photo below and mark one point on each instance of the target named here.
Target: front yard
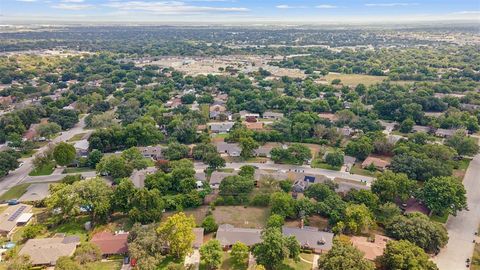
(45, 169)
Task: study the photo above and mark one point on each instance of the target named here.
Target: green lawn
(357, 169)
(15, 192)
(300, 265)
(46, 169)
(441, 219)
(77, 170)
(226, 263)
(322, 165)
(74, 226)
(108, 265)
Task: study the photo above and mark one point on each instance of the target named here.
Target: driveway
(17, 176)
(461, 229)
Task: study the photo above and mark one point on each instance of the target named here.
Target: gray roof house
(138, 176)
(154, 152)
(221, 127)
(417, 128)
(217, 177)
(228, 235)
(311, 238)
(9, 218)
(231, 149)
(245, 114)
(46, 251)
(272, 115)
(277, 175)
(445, 133)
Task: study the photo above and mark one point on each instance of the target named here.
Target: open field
(46, 169)
(240, 216)
(354, 79)
(15, 192)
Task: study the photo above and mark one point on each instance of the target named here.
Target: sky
(230, 11)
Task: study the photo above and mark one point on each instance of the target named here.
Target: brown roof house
(111, 243)
(14, 216)
(372, 248)
(228, 235)
(310, 238)
(379, 164)
(46, 251)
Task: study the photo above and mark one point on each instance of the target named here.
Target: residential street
(461, 228)
(17, 176)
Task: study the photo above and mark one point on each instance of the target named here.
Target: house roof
(217, 177)
(421, 129)
(9, 217)
(151, 150)
(380, 163)
(230, 148)
(110, 243)
(82, 145)
(272, 114)
(138, 176)
(198, 232)
(277, 175)
(371, 249)
(221, 127)
(229, 235)
(310, 237)
(46, 251)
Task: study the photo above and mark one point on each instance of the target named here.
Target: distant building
(81, 147)
(46, 251)
(153, 152)
(417, 128)
(311, 238)
(198, 241)
(379, 164)
(272, 115)
(14, 216)
(230, 149)
(245, 114)
(447, 133)
(221, 127)
(228, 235)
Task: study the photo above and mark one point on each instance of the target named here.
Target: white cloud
(171, 7)
(390, 4)
(288, 6)
(72, 6)
(325, 6)
(72, 1)
(467, 12)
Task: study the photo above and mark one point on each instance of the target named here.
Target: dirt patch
(239, 216)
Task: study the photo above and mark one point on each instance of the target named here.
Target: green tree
(176, 151)
(444, 195)
(358, 218)
(114, 166)
(239, 255)
(343, 255)
(47, 130)
(404, 255)
(390, 186)
(209, 224)
(211, 254)
(146, 206)
(359, 148)
(386, 212)
(334, 159)
(87, 252)
(248, 144)
(275, 221)
(94, 158)
(123, 195)
(282, 204)
(319, 191)
(145, 246)
(134, 158)
(407, 125)
(463, 144)
(177, 233)
(64, 153)
(247, 171)
(66, 263)
(33, 230)
(275, 248)
(20, 262)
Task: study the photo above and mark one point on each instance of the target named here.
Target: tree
(146, 206)
(123, 195)
(214, 161)
(144, 246)
(64, 153)
(211, 254)
(209, 224)
(247, 171)
(8, 161)
(366, 197)
(33, 230)
(275, 248)
(358, 218)
(65, 118)
(47, 130)
(444, 195)
(114, 166)
(319, 191)
(334, 159)
(463, 144)
(20, 262)
(343, 255)
(386, 212)
(176, 151)
(236, 187)
(134, 158)
(87, 252)
(299, 153)
(418, 229)
(404, 255)
(239, 255)
(94, 158)
(177, 233)
(390, 186)
(282, 204)
(407, 125)
(360, 148)
(248, 144)
(275, 221)
(66, 263)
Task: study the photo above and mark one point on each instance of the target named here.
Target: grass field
(239, 216)
(107, 265)
(357, 169)
(77, 170)
(300, 265)
(441, 219)
(15, 192)
(46, 169)
(317, 163)
(76, 137)
(354, 79)
(462, 168)
(75, 226)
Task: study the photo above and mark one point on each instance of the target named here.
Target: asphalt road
(461, 228)
(20, 174)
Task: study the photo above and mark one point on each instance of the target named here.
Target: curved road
(17, 176)
(461, 228)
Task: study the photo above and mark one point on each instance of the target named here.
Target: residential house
(138, 176)
(277, 175)
(217, 177)
(254, 125)
(303, 181)
(230, 149)
(469, 107)
(153, 152)
(221, 127)
(111, 243)
(349, 161)
(393, 139)
(310, 238)
(14, 216)
(447, 133)
(245, 114)
(31, 133)
(198, 241)
(228, 235)
(417, 128)
(379, 164)
(371, 247)
(272, 115)
(81, 147)
(46, 251)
